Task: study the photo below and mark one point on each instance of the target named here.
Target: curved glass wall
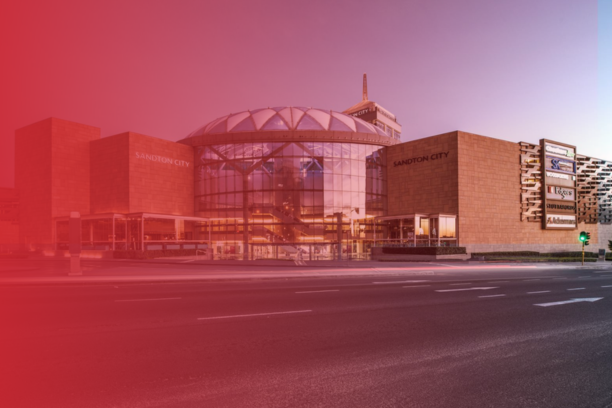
(290, 197)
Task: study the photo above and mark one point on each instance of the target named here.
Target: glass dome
(287, 118)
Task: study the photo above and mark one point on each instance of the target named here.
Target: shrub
(507, 253)
(424, 250)
(153, 254)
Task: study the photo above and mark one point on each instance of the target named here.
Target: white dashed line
(404, 281)
(558, 278)
(576, 289)
(457, 284)
(145, 300)
(491, 296)
(539, 291)
(320, 291)
(607, 286)
(416, 286)
(251, 315)
(498, 281)
(530, 280)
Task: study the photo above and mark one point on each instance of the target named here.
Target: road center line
(255, 314)
(539, 291)
(498, 282)
(145, 300)
(416, 286)
(576, 289)
(457, 284)
(607, 286)
(404, 281)
(491, 296)
(319, 291)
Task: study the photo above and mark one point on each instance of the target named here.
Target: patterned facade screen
(531, 183)
(594, 190)
(559, 184)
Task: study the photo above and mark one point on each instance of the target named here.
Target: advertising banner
(560, 179)
(560, 193)
(559, 221)
(561, 165)
(551, 149)
(561, 207)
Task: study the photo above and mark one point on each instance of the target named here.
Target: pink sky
(514, 70)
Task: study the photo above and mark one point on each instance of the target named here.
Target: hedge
(423, 250)
(153, 254)
(516, 254)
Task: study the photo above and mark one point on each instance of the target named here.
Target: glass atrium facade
(273, 199)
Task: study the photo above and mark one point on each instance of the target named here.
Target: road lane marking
(255, 314)
(539, 291)
(404, 281)
(607, 286)
(416, 286)
(498, 281)
(319, 291)
(464, 289)
(565, 302)
(530, 280)
(145, 300)
(576, 289)
(457, 284)
(491, 296)
(558, 278)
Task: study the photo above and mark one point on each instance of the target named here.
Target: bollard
(74, 229)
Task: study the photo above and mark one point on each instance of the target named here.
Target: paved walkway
(46, 271)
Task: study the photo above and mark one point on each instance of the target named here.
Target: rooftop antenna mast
(365, 87)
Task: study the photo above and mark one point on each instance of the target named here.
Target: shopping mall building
(269, 182)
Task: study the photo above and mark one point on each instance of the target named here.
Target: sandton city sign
(162, 159)
(421, 159)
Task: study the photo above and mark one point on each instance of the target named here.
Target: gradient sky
(509, 69)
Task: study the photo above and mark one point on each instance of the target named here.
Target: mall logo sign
(420, 159)
(161, 159)
(561, 193)
(560, 221)
(559, 150)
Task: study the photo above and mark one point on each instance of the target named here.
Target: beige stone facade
(133, 173)
(479, 181)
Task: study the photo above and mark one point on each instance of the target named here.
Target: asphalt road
(465, 339)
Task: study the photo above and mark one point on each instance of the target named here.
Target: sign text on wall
(420, 159)
(161, 159)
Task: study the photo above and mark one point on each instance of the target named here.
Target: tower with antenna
(375, 114)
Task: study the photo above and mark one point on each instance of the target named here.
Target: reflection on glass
(289, 192)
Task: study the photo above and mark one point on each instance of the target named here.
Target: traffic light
(582, 237)
(588, 237)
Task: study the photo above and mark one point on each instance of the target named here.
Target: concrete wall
(110, 181)
(134, 173)
(479, 181)
(156, 187)
(9, 216)
(489, 202)
(52, 174)
(422, 185)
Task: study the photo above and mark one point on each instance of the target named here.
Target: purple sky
(514, 70)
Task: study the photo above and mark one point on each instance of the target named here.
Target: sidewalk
(48, 272)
